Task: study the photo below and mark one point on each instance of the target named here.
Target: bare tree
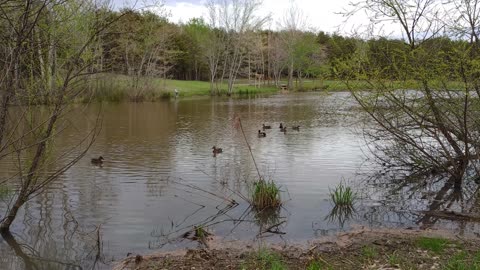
(27, 134)
(236, 18)
(278, 58)
(431, 127)
(293, 24)
(419, 20)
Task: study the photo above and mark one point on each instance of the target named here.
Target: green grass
(267, 259)
(116, 88)
(461, 261)
(318, 265)
(394, 259)
(342, 195)
(436, 245)
(200, 232)
(265, 194)
(369, 252)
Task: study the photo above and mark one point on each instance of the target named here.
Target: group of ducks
(261, 134)
(282, 129)
(216, 150)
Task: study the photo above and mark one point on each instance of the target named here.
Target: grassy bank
(378, 249)
(116, 88)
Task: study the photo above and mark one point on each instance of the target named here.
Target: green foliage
(318, 265)
(201, 233)
(461, 261)
(436, 245)
(394, 259)
(342, 195)
(369, 252)
(265, 194)
(269, 260)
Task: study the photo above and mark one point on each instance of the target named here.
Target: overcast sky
(320, 15)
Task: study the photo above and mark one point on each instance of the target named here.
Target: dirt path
(359, 249)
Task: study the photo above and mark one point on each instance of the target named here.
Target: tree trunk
(12, 213)
(290, 76)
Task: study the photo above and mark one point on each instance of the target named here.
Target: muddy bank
(357, 249)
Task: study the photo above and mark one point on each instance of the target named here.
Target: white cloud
(183, 11)
(320, 15)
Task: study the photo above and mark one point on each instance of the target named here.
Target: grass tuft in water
(265, 194)
(342, 195)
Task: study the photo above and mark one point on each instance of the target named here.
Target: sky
(320, 15)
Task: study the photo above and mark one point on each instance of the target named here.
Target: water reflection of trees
(405, 199)
(17, 254)
(231, 212)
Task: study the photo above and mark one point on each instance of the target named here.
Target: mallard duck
(281, 126)
(217, 150)
(97, 161)
(297, 128)
(266, 127)
(262, 134)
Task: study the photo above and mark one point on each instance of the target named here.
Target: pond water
(159, 179)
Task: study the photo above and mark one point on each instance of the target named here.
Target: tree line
(145, 44)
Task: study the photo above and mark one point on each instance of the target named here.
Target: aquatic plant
(200, 233)
(343, 195)
(265, 194)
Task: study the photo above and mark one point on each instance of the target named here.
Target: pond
(159, 179)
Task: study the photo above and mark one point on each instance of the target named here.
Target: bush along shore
(357, 249)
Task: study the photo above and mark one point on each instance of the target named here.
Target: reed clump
(265, 194)
(342, 195)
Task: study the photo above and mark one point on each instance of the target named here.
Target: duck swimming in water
(97, 161)
(261, 134)
(266, 127)
(217, 150)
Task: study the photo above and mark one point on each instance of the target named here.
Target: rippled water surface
(159, 178)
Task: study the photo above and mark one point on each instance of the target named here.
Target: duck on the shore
(217, 150)
(97, 161)
(297, 128)
(266, 127)
(261, 134)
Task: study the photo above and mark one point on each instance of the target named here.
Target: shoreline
(356, 249)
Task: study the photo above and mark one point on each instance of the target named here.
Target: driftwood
(452, 215)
